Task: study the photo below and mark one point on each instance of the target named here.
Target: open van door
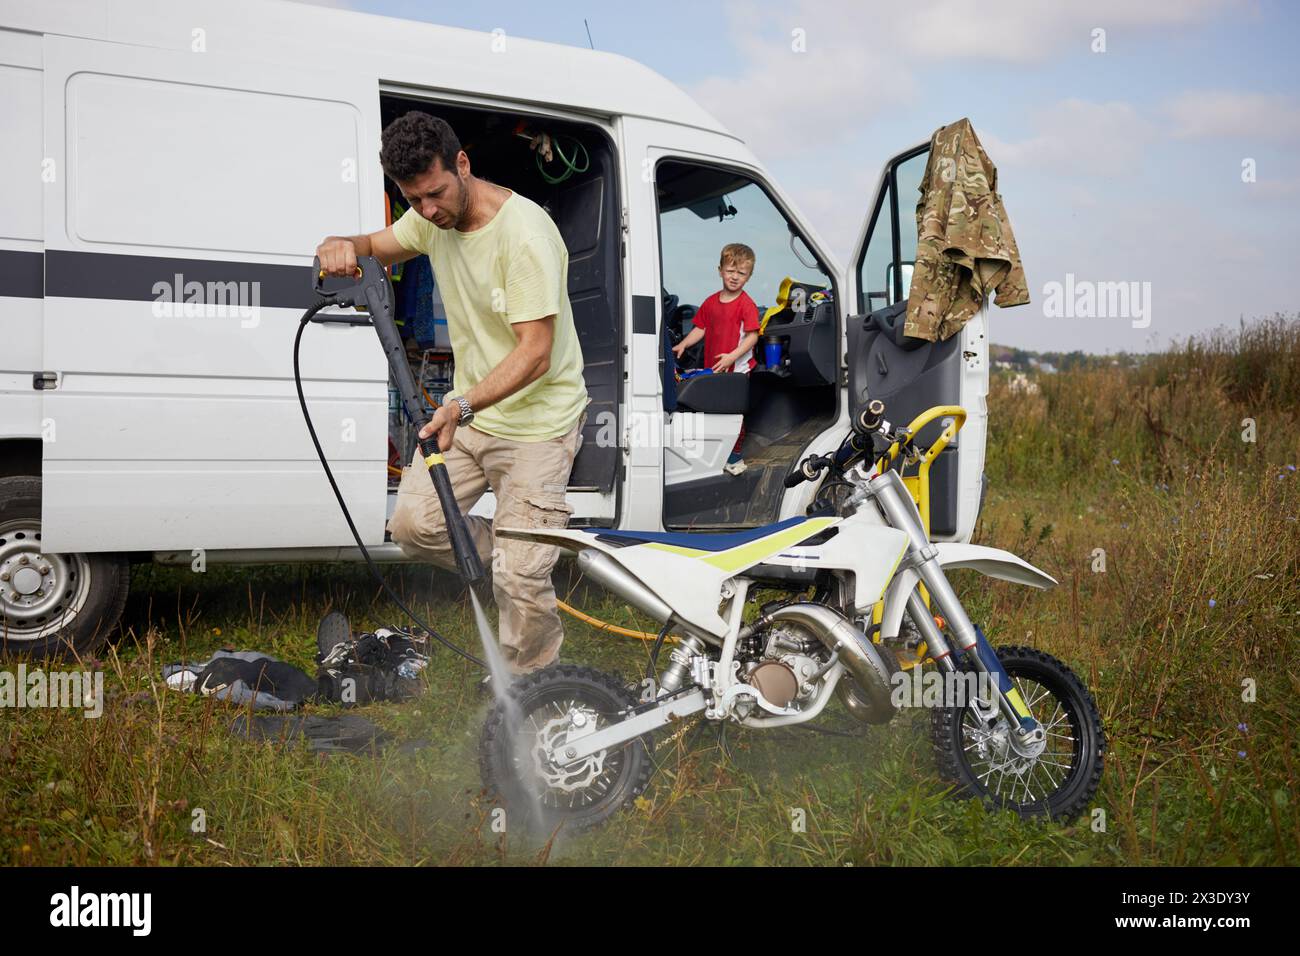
(910, 375)
(190, 191)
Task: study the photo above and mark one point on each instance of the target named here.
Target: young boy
(728, 323)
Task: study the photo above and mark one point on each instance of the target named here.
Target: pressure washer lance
(371, 292)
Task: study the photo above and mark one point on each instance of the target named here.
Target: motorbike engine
(781, 662)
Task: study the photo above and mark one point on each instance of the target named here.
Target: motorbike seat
(697, 540)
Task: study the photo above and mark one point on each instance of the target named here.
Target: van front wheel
(52, 605)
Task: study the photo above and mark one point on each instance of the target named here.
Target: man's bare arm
(528, 361)
(338, 254)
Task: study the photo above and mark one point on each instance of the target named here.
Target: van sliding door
(189, 194)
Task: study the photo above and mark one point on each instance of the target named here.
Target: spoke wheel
(978, 756)
(544, 710)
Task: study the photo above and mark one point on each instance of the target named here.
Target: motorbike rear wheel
(542, 710)
(1057, 784)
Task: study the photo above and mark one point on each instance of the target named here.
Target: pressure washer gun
(372, 293)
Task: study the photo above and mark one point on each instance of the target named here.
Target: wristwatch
(466, 413)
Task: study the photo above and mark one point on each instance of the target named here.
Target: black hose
(652, 668)
(320, 453)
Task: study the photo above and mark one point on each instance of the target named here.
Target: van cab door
(189, 191)
(912, 375)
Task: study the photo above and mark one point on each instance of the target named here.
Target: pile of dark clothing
(351, 668)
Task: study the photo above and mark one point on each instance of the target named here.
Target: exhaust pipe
(867, 697)
(622, 582)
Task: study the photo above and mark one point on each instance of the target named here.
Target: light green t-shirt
(514, 269)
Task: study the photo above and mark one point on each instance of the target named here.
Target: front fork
(900, 511)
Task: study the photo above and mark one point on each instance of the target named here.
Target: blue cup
(772, 353)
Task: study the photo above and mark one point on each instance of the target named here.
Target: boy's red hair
(738, 253)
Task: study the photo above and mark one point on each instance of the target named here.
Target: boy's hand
(679, 348)
(725, 362)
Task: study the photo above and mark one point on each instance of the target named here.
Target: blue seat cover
(698, 540)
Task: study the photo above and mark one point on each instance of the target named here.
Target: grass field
(1188, 640)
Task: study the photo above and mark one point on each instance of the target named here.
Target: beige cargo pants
(529, 480)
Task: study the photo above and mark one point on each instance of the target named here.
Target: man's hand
(443, 424)
(338, 256)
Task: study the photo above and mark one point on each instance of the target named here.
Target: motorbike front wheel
(980, 761)
(540, 712)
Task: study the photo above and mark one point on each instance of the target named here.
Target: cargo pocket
(541, 510)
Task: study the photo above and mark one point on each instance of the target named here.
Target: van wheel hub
(37, 589)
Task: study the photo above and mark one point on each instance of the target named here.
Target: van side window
(891, 246)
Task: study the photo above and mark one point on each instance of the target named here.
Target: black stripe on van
(22, 274)
(99, 275)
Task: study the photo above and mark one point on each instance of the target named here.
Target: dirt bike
(866, 599)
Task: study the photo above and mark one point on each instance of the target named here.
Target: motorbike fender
(993, 562)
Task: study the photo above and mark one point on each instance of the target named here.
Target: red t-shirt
(724, 325)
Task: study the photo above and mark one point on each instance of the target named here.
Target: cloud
(1077, 136)
(859, 61)
(1028, 30)
(1217, 114)
(1077, 175)
(809, 72)
(1267, 189)
(337, 4)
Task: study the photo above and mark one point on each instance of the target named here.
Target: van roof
(401, 52)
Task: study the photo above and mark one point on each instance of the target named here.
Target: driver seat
(724, 393)
(716, 394)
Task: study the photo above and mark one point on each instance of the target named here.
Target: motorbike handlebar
(807, 470)
(870, 421)
(870, 418)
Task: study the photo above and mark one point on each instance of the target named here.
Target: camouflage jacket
(965, 248)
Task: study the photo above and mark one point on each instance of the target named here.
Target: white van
(167, 168)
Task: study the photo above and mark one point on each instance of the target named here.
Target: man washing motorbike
(513, 419)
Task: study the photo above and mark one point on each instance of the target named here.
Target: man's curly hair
(411, 143)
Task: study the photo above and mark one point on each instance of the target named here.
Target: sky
(1152, 144)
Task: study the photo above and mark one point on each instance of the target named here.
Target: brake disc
(554, 734)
